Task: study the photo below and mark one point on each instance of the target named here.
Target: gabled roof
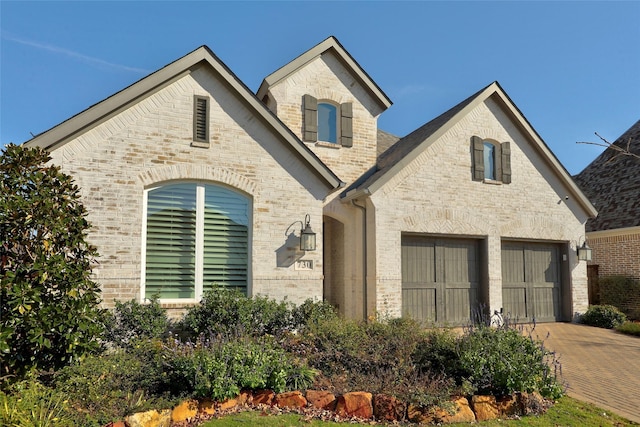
(411, 146)
(202, 56)
(612, 183)
(330, 44)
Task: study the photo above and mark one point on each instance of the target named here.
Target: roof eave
(102, 111)
(330, 43)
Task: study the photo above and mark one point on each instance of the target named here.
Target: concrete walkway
(600, 366)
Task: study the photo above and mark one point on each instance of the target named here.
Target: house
(190, 179)
(612, 183)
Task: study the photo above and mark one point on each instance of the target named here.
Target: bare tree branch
(620, 151)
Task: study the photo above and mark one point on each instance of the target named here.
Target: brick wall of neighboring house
(616, 252)
(150, 143)
(435, 194)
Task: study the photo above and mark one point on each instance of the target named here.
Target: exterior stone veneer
(149, 144)
(435, 195)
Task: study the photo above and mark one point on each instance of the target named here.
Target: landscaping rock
(184, 411)
(356, 404)
(207, 407)
(462, 413)
(388, 408)
(485, 407)
(150, 419)
(292, 399)
(532, 403)
(245, 397)
(263, 397)
(508, 406)
(420, 415)
(321, 399)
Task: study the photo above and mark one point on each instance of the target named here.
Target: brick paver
(600, 366)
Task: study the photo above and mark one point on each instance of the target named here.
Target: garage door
(440, 279)
(531, 281)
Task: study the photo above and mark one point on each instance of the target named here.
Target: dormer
(331, 104)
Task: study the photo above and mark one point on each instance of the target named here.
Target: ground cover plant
(629, 328)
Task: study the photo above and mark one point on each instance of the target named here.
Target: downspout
(364, 257)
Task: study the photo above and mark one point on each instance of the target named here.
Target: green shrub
(629, 328)
(131, 321)
(501, 361)
(31, 404)
(49, 306)
(603, 316)
(351, 354)
(228, 311)
(219, 369)
(310, 313)
(437, 353)
(108, 387)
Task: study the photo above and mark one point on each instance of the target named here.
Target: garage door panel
(534, 270)
(514, 302)
(420, 303)
(439, 278)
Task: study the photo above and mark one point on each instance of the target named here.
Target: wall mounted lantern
(307, 236)
(585, 253)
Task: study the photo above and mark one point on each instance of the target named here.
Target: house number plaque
(304, 265)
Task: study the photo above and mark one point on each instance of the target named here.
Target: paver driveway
(600, 366)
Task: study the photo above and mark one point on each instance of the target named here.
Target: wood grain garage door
(531, 281)
(440, 279)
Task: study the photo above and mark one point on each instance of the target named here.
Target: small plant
(629, 328)
(603, 316)
(218, 369)
(131, 321)
(31, 404)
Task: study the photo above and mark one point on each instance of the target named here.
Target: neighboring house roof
(385, 140)
(612, 183)
(334, 45)
(106, 109)
(409, 147)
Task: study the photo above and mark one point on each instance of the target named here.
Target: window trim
(198, 141)
(199, 262)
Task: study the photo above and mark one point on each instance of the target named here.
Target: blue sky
(571, 67)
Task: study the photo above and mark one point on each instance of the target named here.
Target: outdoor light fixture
(307, 236)
(585, 253)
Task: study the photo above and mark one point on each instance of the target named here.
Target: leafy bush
(31, 404)
(629, 328)
(219, 369)
(437, 353)
(49, 312)
(131, 321)
(228, 311)
(310, 313)
(108, 387)
(603, 316)
(501, 361)
(375, 356)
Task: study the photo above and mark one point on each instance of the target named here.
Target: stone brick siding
(435, 194)
(149, 143)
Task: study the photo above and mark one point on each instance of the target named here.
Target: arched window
(327, 122)
(196, 236)
(491, 160)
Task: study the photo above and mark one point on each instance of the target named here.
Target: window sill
(200, 144)
(492, 182)
(333, 145)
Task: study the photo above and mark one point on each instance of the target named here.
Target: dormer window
(491, 160)
(327, 122)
